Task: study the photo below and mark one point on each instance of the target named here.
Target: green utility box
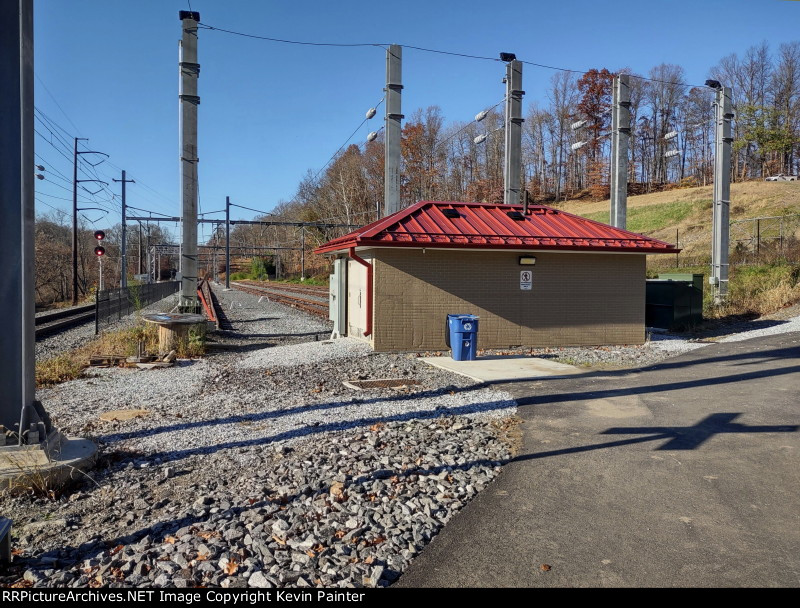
(674, 301)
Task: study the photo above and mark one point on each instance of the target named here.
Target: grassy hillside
(663, 212)
(759, 284)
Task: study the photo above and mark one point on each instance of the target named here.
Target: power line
(423, 49)
(346, 141)
(465, 127)
(205, 26)
(77, 130)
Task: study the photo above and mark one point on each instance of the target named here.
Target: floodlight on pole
(714, 84)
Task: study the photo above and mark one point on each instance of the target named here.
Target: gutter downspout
(351, 253)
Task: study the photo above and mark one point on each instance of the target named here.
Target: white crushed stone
(673, 345)
(780, 327)
(306, 352)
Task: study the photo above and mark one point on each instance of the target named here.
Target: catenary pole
(513, 133)
(394, 116)
(18, 409)
(722, 194)
(124, 254)
(621, 131)
(189, 101)
(227, 242)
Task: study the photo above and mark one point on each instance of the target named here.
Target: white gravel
(306, 352)
(276, 391)
(672, 345)
(780, 327)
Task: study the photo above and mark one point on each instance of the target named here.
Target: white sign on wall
(525, 280)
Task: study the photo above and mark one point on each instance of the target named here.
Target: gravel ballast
(256, 467)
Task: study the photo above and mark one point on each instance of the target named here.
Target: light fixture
(507, 57)
(714, 84)
(527, 260)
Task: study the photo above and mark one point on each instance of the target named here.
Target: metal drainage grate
(362, 385)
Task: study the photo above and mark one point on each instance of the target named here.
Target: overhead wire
(347, 141)
(423, 49)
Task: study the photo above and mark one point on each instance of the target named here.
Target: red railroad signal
(99, 235)
(99, 251)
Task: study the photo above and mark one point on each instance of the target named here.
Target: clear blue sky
(270, 111)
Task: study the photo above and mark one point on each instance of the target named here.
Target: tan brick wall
(577, 298)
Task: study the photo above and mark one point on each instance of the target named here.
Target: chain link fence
(754, 240)
(113, 304)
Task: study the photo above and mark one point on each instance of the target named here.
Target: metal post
(513, 133)
(75, 224)
(621, 132)
(722, 194)
(758, 238)
(17, 297)
(124, 253)
(303, 254)
(394, 87)
(141, 265)
(189, 100)
(100, 285)
(227, 242)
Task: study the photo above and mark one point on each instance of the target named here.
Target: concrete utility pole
(227, 242)
(393, 90)
(513, 133)
(722, 194)
(18, 410)
(189, 100)
(620, 138)
(124, 255)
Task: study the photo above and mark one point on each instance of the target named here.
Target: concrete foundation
(50, 466)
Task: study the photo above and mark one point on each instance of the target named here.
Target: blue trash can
(462, 334)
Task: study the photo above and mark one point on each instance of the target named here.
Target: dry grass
(125, 342)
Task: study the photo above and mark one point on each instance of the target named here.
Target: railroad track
(313, 300)
(52, 323)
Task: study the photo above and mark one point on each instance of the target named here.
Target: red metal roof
(485, 226)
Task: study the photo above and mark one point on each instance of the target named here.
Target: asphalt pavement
(684, 474)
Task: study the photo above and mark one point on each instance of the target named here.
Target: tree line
(441, 161)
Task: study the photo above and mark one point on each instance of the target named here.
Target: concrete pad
(23, 468)
(501, 368)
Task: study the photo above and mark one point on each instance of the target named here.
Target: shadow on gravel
(678, 438)
(316, 407)
(714, 328)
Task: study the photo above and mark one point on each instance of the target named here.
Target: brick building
(548, 278)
